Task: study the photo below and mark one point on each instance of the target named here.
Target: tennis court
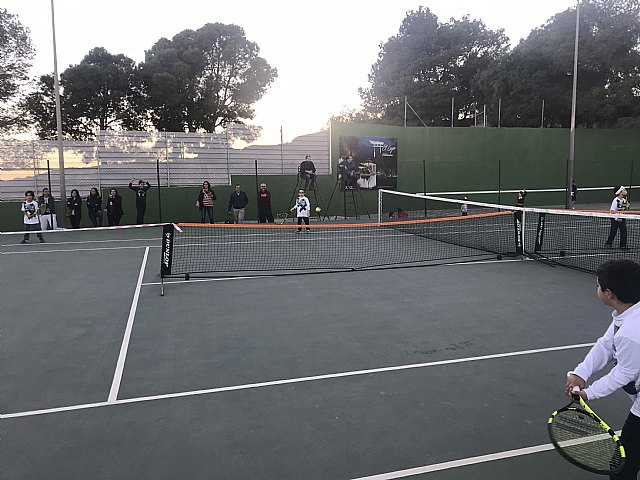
(437, 372)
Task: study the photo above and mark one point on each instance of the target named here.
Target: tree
(541, 68)
(430, 62)
(201, 80)
(16, 52)
(102, 92)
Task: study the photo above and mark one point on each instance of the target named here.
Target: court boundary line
(318, 272)
(124, 347)
(29, 252)
(272, 383)
(462, 462)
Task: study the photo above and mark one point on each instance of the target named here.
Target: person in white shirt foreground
(619, 288)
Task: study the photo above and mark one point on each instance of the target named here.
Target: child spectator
(141, 199)
(31, 221)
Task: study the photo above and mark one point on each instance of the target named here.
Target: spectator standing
(141, 199)
(237, 203)
(47, 207)
(30, 210)
(94, 207)
(114, 208)
(74, 208)
(205, 202)
(265, 214)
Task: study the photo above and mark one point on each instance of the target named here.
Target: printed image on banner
(376, 160)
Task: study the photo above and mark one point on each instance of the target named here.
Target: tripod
(347, 188)
(313, 194)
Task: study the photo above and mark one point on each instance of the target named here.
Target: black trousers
(306, 222)
(114, 220)
(75, 221)
(615, 226)
(265, 215)
(28, 227)
(631, 441)
(140, 209)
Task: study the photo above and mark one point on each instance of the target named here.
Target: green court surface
(438, 372)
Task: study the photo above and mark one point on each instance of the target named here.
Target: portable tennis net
(212, 250)
(571, 238)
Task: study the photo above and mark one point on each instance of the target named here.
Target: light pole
(63, 189)
(572, 135)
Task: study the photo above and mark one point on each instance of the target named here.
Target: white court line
(367, 269)
(29, 252)
(458, 463)
(221, 279)
(461, 463)
(117, 377)
(294, 380)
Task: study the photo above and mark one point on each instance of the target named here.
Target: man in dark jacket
(265, 213)
(308, 173)
(141, 199)
(237, 203)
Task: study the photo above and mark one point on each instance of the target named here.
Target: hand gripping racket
(584, 439)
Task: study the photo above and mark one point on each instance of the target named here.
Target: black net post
(159, 194)
(424, 183)
(50, 193)
(499, 179)
(630, 179)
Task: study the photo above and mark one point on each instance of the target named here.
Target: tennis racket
(584, 439)
(281, 218)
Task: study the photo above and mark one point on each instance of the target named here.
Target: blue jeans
(204, 212)
(96, 217)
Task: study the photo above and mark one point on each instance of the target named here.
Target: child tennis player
(618, 288)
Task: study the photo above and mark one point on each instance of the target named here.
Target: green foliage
(101, 92)
(16, 52)
(541, 68)
(203, 79)
(430, 62)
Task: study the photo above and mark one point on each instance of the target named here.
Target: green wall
(455, 159)
(463, 159)
(178, 203)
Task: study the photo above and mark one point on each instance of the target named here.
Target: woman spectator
(205, 202)
(94, 206)
(114, 208)
(74, 208)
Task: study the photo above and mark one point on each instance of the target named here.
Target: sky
(323, 51)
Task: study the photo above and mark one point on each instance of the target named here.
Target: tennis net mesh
(411, 230)
(438, 237)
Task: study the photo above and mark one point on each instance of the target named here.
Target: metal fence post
(98, 160)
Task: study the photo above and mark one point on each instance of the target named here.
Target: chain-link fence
(173, 159)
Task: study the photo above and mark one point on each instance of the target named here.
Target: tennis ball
(318, 209)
